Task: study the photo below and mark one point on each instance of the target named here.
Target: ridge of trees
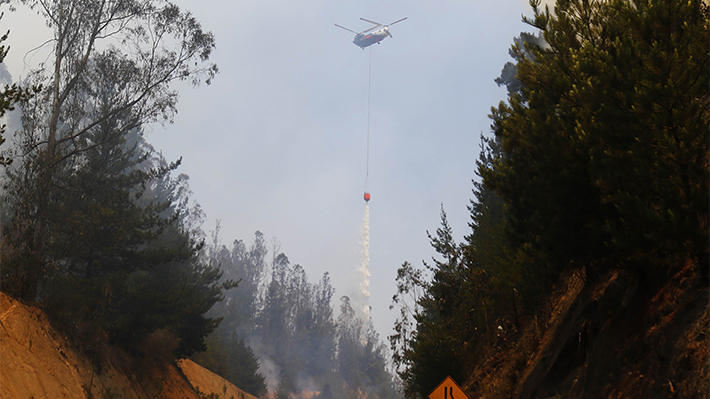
(599, 161)
(293, 341)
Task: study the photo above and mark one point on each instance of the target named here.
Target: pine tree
(600, 160)
(606, 145)
(244, 366)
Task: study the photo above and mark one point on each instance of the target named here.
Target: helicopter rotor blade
(346, 28)
(399, 20)
(373, 28)
(372, 22)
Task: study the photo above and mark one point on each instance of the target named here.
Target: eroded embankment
(614, 338)
(36, 361)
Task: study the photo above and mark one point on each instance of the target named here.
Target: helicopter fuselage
(363, 40)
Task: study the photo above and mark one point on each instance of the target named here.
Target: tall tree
(141, 47)
(129, 268)
(448, 322)
(228, 352)
(234, 360)
(321, 334)
(246, 264)
(121, 243)
(600, 160)
(274, 319)
(362, 358)
(606, 142)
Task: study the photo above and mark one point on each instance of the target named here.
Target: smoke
(5, 76)
(362, 297)
(11, 119)
(271, 372)
(510, 70)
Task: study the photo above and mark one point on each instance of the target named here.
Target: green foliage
(599, 160)
(95, 93)
(214, 357)
(244, 371)
(234, 360)
(448, 323)
(411, 285)
(135, 272)
(227, 352)
(606, 143)
(98, 230)
(246, 265)
(119, 246)
(175, 296)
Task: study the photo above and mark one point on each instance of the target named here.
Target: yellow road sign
(448, 389)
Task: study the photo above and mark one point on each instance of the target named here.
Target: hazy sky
(278, 142)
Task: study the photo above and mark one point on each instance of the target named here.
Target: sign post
(448, 389)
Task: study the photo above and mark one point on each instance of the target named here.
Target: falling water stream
(364, 271)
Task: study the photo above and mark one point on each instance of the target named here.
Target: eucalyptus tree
(362, 359)
(112, 62)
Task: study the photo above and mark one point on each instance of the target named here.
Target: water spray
(364, 285)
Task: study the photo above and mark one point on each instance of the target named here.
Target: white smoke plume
(271, 373)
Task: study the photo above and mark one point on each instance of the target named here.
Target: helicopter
(364, 39)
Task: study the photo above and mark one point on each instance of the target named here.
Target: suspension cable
(369, 85)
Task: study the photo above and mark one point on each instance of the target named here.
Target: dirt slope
(38, 362)
(615, 338)
(208, 382)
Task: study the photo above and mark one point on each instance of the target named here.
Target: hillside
(615, 338)
(38, 362)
